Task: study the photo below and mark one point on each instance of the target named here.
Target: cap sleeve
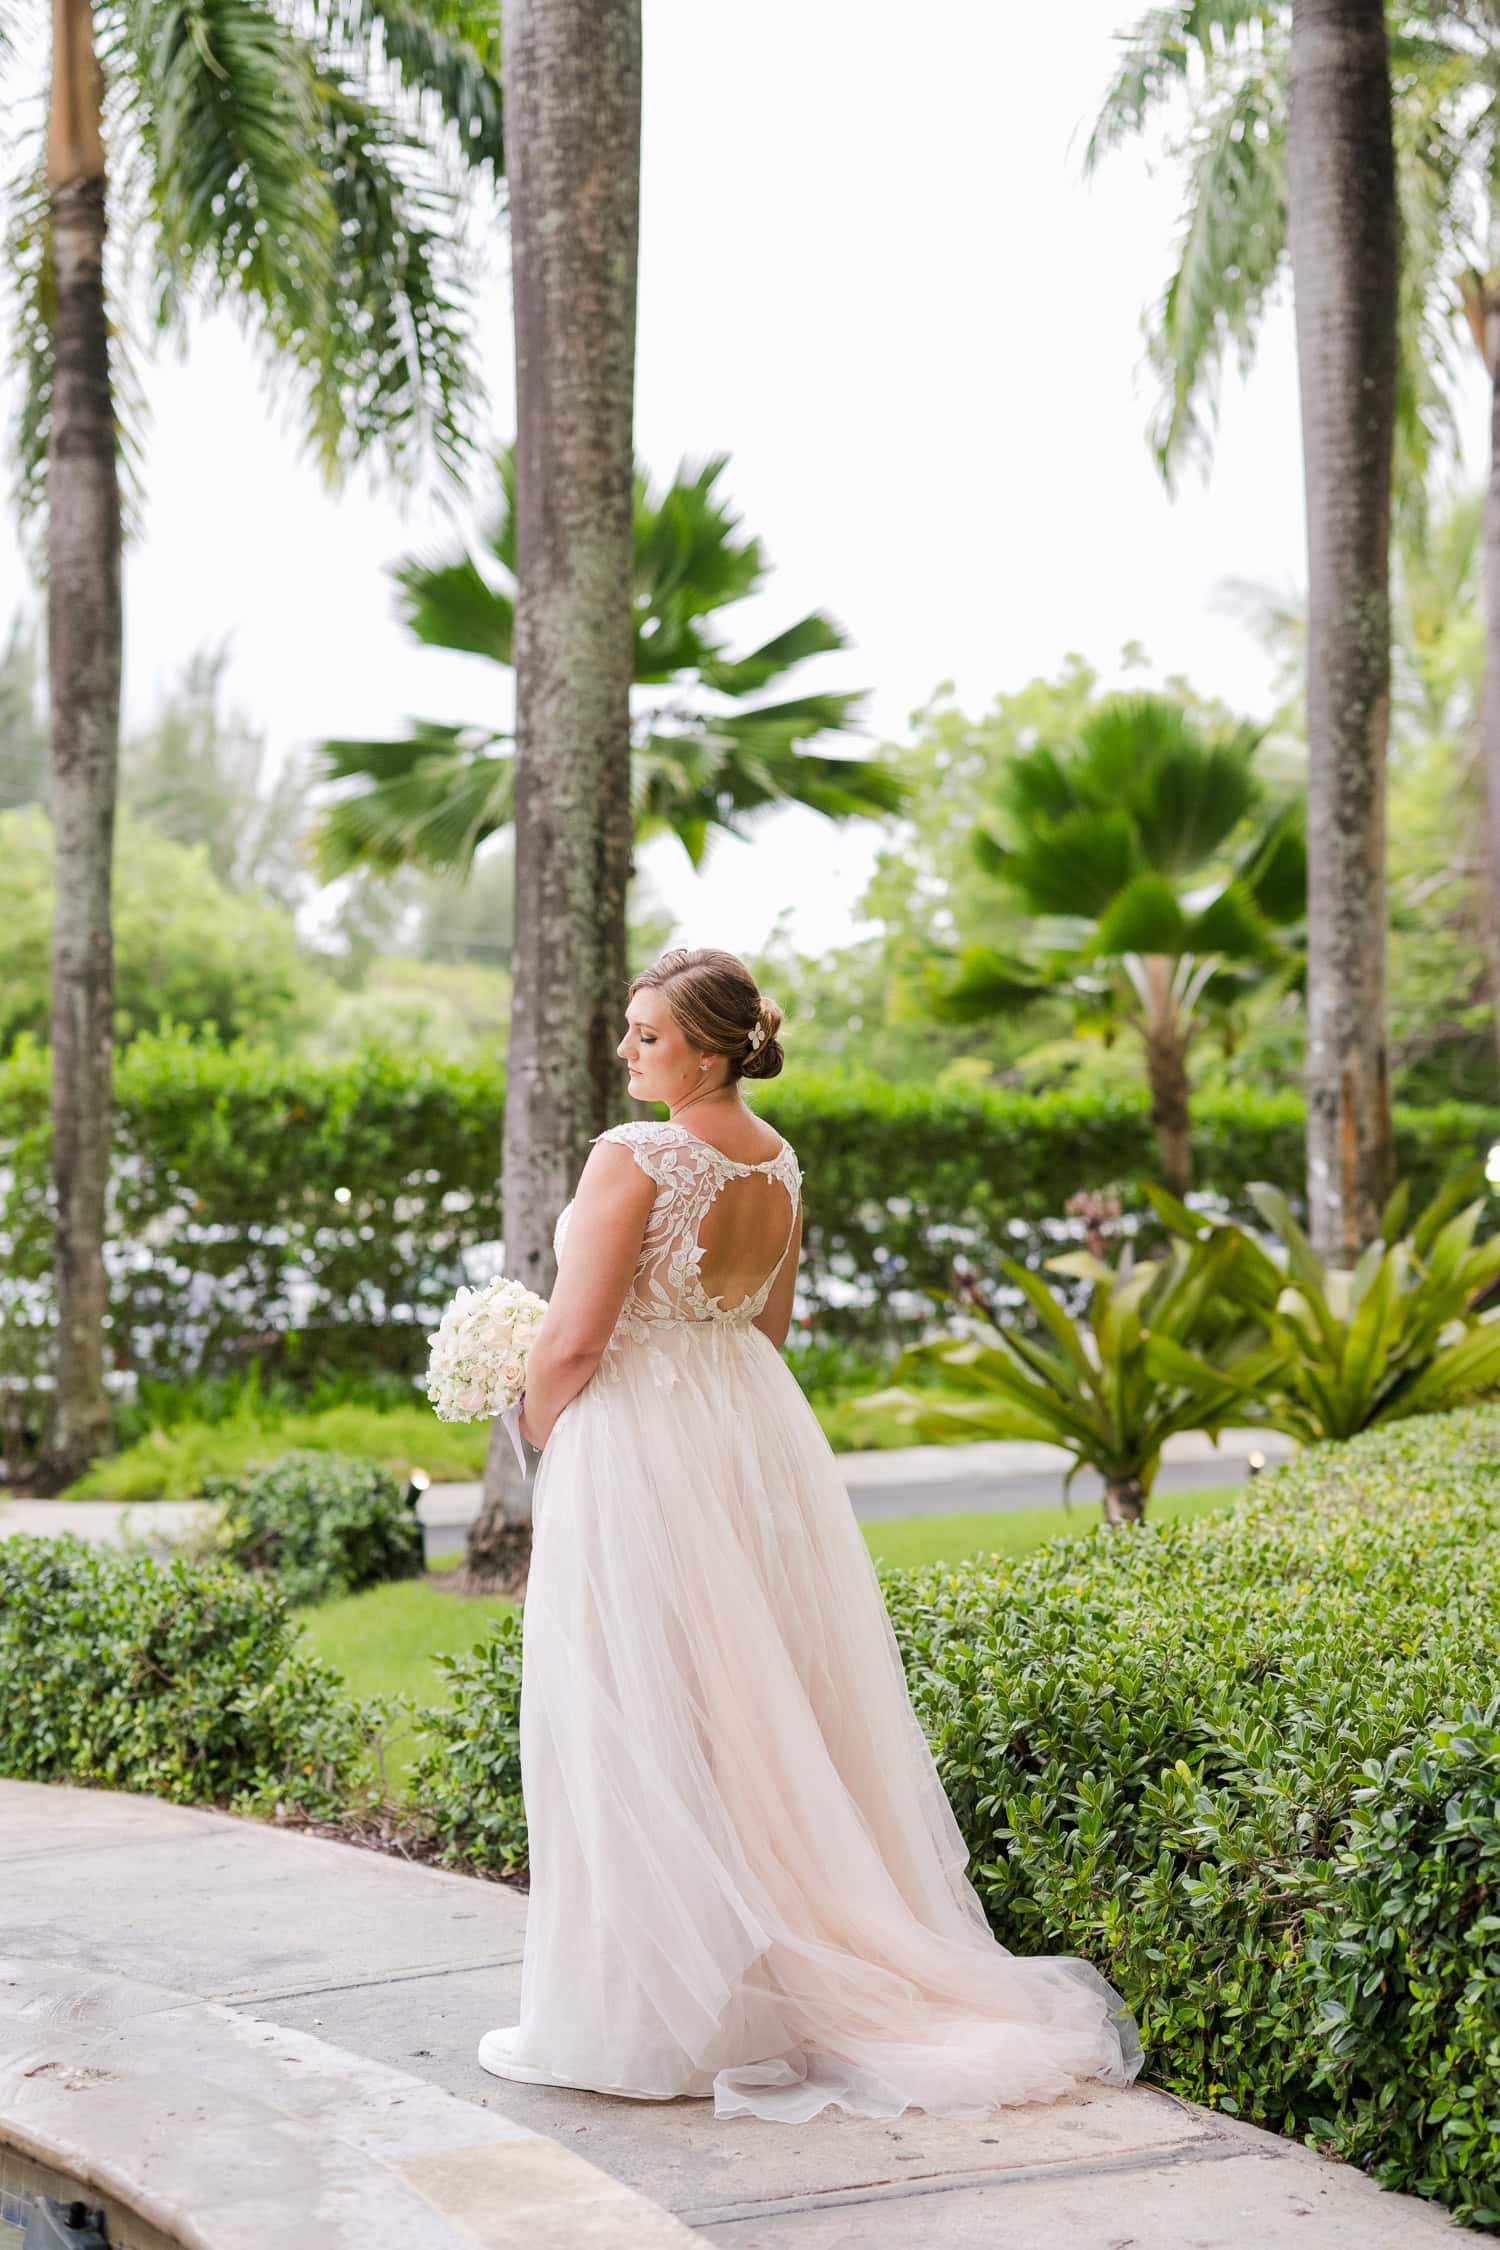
(644, 1138)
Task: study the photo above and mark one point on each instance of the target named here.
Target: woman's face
(663, 1067)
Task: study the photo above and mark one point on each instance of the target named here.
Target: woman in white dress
(746, 1880)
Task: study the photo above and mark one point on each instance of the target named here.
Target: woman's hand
(525, 1428)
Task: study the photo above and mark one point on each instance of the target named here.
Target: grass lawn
(383, 1641)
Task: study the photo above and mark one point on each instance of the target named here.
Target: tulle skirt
(746, 1880)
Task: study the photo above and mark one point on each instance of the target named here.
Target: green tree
(202, 773)
(1122, 845)
(708, 751)
(222, 962)
(277, 156)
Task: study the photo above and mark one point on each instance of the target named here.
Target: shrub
(184, 1680)
(321, 1524)
(466, 1777)
(1249, 1766)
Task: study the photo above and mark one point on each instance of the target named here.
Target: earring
(703, 1066)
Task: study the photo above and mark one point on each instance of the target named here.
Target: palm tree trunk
(83, 653)
(1482, 304)
(1341, 214)
(1124, 1501)
(1166, 1072)
(572, 88)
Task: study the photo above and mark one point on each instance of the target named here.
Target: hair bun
(765, 1057)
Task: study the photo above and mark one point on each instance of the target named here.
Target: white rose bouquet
(476, 1366)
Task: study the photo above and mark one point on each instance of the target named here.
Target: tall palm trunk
(1165, 1035)
(572, 83)
(1341, 227)
(83, 654)
(1482, 304)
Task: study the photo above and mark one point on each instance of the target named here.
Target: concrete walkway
(912, 1480)
(403, 1967)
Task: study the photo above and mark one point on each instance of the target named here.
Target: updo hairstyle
(718, 1007)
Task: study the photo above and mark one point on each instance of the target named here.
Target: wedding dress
(746, 1880)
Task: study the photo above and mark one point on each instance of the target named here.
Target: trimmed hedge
(228, 1233)
(1252, 1767)
(183, 1680)
(1249, 1765)
(320, 1524)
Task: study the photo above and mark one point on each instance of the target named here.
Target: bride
(746, 1881)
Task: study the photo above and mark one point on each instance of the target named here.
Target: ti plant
(1397, 1334)
(1161, 1349)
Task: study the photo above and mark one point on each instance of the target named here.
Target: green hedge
(184, 1680)
(1250, 1766)
(226, 1216)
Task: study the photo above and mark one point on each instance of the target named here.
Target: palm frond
(1230, 253)
(445, 50)
(392, 367)
(431, 801)
(275, 181)
(1160, 56)
(453, 605)
(813, 635)
(224, 98)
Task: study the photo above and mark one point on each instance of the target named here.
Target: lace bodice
(689, 1173)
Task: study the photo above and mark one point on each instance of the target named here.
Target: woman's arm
(775, 1316)
(600, 1251)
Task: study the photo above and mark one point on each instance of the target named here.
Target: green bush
(320, 1524)
(1250, 1767)
(183, 1680)
(466, 1776)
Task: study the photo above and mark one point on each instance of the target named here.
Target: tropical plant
(278, 156)
(1399, 1333)
(707, 751)
(1111, 841)
(1160, 1351)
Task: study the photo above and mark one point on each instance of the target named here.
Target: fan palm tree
(707, 750)
(1113, 842)
(280, 155)
(1290, 158)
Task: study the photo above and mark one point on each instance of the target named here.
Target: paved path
(931, 1480)
(407, 1966)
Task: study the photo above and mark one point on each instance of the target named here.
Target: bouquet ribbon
(511, 1419)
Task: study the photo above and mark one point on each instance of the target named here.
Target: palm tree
(1112, 841)
(280, 155)
(707, 751)
(573, 107)
(1246, 154)
(1342, 236)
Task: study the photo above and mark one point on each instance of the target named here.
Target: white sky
(871, 273)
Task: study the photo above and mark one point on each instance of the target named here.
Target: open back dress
(746, 1880)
